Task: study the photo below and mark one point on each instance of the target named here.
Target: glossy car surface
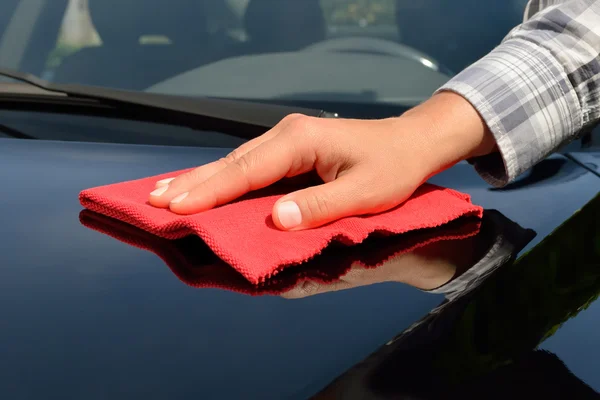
(84, 314)
(93, 309)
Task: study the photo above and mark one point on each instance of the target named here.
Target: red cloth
(243, 235)
(197, 266)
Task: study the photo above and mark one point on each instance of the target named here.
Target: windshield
(353, 51)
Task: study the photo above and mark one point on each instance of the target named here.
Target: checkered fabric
(539, 88)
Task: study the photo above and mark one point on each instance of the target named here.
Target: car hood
(84, 315)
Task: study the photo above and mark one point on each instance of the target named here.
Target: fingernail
(164, 182)
(159, 191)
(179, 198)
(289, 214)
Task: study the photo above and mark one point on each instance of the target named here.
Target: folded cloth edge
(102, 226)
(177, 229)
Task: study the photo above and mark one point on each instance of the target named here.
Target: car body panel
(590, 160)
(87, 316)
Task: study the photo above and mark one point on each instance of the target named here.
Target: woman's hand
(367, 166)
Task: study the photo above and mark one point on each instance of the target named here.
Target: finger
(211, 168)
(261, 167)
(207, 170)
(348, 195)
(167, 189)
(313, 288)
(163, 182)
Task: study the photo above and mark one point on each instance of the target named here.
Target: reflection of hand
(192, 261)
(367, 166)
(425, 268)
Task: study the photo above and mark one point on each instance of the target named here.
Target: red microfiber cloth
(243, 235)
(197, 266)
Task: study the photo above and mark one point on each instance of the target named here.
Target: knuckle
(243, 167)
(322, 206)
(292, 117)
(297, 123)
(243, 164)
(309, 287)
(186, 178)
(231, 157)
(304, 289)
(306, 130)
(301, 122)
(317, 207)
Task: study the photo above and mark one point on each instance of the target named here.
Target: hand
(367, 166)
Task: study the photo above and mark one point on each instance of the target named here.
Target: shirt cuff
(526, 99)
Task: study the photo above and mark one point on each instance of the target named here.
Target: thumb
(319, 205)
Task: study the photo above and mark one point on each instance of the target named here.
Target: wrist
(449, 130)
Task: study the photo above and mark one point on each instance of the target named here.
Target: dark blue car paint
(85, 316)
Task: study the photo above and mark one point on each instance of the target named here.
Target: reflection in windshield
(484, 344)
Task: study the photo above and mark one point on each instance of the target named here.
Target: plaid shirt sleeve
(539, 88)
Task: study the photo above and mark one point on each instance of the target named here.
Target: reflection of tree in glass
(527, 302)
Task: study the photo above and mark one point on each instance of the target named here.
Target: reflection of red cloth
(243, 235)
(196, 265)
